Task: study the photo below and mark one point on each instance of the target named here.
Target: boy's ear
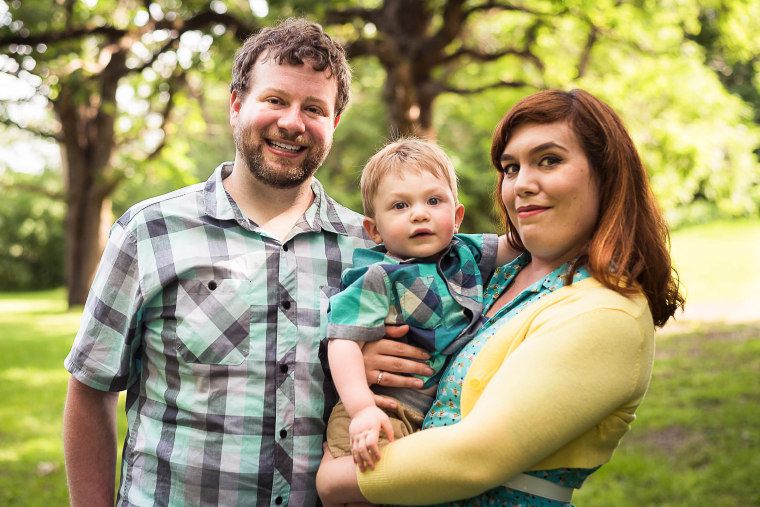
(371, 227)
(458, 216)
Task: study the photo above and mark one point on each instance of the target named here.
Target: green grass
(696, 440)
(719, 261)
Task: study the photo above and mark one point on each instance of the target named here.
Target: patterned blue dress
(446, 409)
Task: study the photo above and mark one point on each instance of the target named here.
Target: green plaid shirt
(216, 331)
(442, 301)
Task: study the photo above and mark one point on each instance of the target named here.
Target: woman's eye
(434, 201)
(550, 160)
(511, 169)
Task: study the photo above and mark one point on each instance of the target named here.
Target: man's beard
(251, 151)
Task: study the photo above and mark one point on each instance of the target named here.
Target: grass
(696, 440)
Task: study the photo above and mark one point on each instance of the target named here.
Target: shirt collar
(324, 214)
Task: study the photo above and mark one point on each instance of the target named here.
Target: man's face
(283, 128)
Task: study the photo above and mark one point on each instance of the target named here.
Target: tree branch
(53, 136)
(586, 53)
(333, 17)
(51, 37)
(34, 189)
(480, 89)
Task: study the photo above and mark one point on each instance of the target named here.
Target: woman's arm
(563, 380)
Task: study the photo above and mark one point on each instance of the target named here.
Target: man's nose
(291, 120)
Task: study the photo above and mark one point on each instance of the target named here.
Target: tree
(81, 56)
(636, 55)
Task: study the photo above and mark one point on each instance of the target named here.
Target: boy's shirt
(442, 302)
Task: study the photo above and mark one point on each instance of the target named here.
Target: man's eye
(314, 110)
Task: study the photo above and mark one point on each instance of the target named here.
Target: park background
(104, 103)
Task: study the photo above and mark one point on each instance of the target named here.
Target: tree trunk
(88, 220)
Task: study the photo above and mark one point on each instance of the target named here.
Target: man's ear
(337, 120)
(371, 227)
(458, 216)
(235, 104)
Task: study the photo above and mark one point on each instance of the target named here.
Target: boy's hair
(401, 156)
(295, 41)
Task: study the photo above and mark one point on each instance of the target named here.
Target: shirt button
(278, 500)
(283, 433)
(476, 384)
(286, 305)
(284, 368)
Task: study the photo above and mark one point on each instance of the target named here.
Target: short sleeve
(359, 310)
(483, 248)
(102, 355)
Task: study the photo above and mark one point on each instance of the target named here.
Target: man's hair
(630, 242)
(402, 156)
(295, 41)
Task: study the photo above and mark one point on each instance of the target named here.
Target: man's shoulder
(173, 202)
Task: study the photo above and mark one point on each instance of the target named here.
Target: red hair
(631, 241)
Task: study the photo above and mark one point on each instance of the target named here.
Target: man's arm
(89, 444)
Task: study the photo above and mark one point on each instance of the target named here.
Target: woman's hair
(295, 41)
(631, 239)
(402, 156)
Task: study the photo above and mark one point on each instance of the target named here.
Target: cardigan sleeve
(563, 380)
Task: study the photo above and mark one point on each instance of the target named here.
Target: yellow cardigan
(556, 387)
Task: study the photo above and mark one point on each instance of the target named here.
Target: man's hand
(391, 357)
(365, 432)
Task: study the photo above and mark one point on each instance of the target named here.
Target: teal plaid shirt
(442, 302)
(216, 332)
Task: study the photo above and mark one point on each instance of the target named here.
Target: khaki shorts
(404, 420)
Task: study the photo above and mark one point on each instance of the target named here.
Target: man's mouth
(284, 146)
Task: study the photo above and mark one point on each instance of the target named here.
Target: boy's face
(415, 214)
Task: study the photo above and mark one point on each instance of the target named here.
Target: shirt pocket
(419, 301)
(213, 321)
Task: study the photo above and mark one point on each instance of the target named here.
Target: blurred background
(104, 103)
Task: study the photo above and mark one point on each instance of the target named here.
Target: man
(209, 306)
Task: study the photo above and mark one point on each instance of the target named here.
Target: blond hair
(401, 156)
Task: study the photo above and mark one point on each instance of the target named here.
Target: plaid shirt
(442, 302)
(216, 332)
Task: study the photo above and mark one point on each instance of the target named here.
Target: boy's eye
(433, 201)
(399, 205)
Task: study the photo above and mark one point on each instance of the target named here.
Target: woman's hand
(391, 358)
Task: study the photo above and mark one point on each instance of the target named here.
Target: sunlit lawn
(696, 441)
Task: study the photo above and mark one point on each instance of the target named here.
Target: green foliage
(31, 228)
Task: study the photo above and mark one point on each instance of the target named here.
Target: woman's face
(549, 191)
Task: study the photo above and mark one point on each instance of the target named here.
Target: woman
(540, 398)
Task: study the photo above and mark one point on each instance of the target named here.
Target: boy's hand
(365, 432)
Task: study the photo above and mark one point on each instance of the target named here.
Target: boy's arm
(347, 367)
(504, 252)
